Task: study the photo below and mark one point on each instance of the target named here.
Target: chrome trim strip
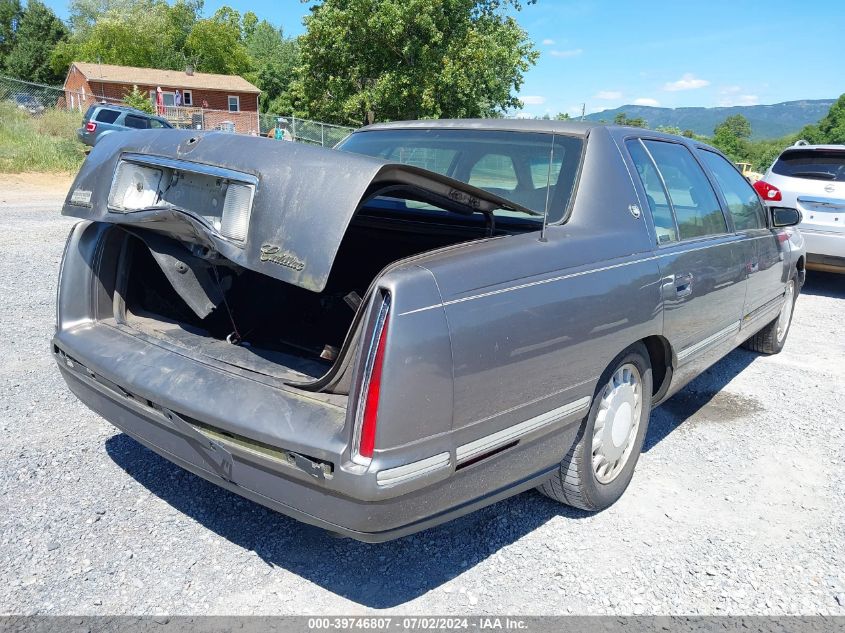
(713, 338)
(835, 203)
(491, 442)
(530, 284)
(185, 165)
(401, 474)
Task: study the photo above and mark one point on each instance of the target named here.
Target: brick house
(209, 101)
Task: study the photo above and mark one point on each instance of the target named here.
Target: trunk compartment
(285, 332)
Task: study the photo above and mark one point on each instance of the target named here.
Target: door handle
(683, 285)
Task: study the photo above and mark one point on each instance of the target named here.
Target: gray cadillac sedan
(426, 319)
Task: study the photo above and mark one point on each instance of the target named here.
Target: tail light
(90, 126)
(367, 414)
(767, 191)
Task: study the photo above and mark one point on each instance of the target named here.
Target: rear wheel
(771, 339)
(599, 466)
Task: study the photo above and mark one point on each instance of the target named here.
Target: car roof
(130, 110)
(568, 127)
(577, 128)
(793, 148)
(124, 108)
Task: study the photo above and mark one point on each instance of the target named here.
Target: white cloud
(575, 52)
(524, 115)
(608, 94)
(740, 100)
(548, 42)
(533, 100)
(646, 101)
(687, 82)
(730, 90)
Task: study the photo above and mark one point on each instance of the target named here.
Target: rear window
(815, 164)
(107, 116)
(513, 165)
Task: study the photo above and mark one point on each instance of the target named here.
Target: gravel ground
(736, 506)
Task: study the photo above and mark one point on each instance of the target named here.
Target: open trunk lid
(301, 198)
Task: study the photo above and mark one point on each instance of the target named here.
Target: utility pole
(583, 110)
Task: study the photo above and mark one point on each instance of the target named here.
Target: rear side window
(743, 203)
(431, 158)
(137, 122)
(658, 199)
(494, 171)
(696, 208)
(814, 164)
(107, 116)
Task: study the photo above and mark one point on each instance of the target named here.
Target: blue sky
(670, 53)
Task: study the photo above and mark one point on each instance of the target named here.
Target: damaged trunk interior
(244, 318)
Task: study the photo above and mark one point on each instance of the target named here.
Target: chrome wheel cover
(786, 311)
(617, 422)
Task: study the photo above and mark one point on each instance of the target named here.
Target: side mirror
(785, 216)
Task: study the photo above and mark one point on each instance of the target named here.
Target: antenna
(548, 190)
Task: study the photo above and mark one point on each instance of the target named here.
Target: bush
(45, 143)
(59, 123)
(138, 100)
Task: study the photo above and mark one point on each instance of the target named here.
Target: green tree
(736, 125)
(562, 116)
(37, 34)
(276, 59)
(216, 45)
(10, 16)
(138, 100)
(831, 129)
(731, 136)
(622, 119)
(367, 60)
(669, 129)
(147, 33)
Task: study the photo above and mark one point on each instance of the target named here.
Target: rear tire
(772, 338)
(599, 466)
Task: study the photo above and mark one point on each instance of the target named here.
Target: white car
(811, 178)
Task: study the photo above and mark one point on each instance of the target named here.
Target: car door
(765, 246)
(701, 261)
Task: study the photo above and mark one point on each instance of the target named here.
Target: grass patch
(39, 143)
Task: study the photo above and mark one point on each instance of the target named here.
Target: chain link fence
(37, 98)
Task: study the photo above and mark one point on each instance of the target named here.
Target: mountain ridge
(767, 121)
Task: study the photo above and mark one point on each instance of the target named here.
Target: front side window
(234, 103)
(658, 199)
(137, 122)
(743, 203)
(696, 208)
(513, 165)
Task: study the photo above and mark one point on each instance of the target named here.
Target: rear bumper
(343, 504)
(825, 250)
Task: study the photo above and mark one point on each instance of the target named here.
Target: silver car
(429, 318)
(811, 178)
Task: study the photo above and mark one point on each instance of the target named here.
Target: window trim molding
(188, 92)
(766, 216)
(229, 102)
(707, 176)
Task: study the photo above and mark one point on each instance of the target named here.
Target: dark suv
(101, 119)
